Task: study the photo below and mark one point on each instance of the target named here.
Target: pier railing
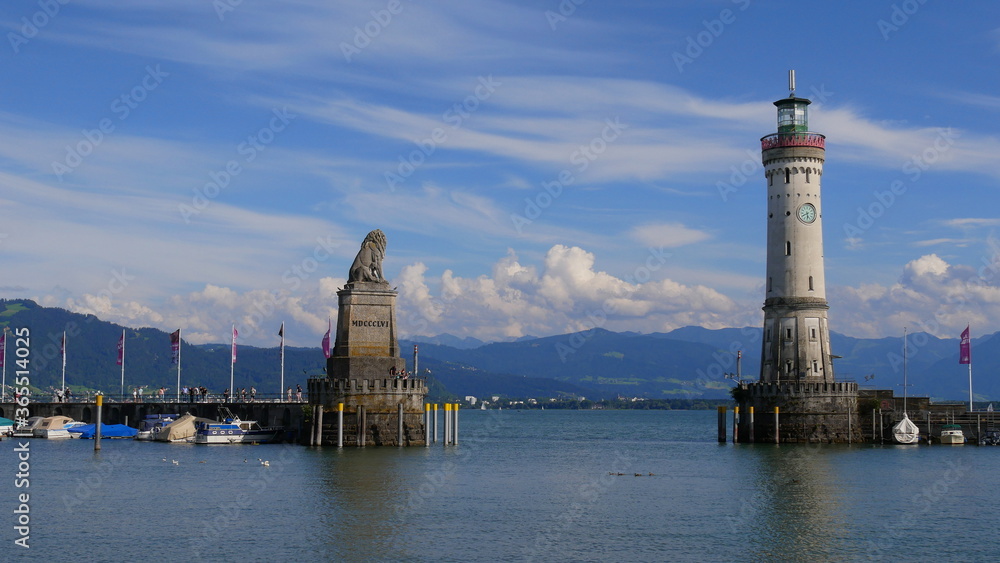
(216, 398)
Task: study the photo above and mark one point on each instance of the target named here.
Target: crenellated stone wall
(808, 412)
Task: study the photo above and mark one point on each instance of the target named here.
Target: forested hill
(687, 363)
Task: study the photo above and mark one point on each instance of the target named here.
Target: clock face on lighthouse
(807, 213)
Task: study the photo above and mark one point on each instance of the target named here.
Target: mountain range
(687, 363)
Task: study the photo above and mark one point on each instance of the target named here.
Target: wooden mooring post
(340, 425)
(736, 425)
(722, 423)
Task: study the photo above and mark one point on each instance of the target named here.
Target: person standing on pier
(289, 394)
(298, 393)
(253, 393)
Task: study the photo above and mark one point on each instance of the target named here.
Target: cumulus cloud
(565, 294)
(931, 296)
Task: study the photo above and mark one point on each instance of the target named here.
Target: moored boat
(54, 427)
(151, 425)
(232, 430)
(952, 434)
(905, 432)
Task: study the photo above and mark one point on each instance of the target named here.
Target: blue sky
(538, 167)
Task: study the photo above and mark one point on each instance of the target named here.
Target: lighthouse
(797, 398)
(796, 337)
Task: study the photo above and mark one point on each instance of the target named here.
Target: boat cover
(57, 422)
(180, 429)
(107, 431)
(905, 432)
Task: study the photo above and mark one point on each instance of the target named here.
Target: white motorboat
(952, 434)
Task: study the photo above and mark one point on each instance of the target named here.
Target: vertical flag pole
(121, 360)
(970, 375)
(965, 357)
(281, 384)
(64, 362)
(3, 362)
(232, 364)
(179, 341)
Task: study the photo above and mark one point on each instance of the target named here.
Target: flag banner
(121, 349)
(326, 340)
(3, 348)
(62, 348)
(281, 331)
(965, 348)
(235, 334)
(175, 346)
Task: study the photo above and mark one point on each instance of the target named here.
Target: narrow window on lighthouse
(810, 283)
(807, 175)
(788, 249)
(788, 176)
(788, 368)
(815, 366)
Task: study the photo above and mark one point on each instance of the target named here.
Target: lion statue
(367, 266)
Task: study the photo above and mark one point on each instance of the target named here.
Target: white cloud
(931, 296)
(669, 235)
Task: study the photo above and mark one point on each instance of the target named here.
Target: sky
(538, 167)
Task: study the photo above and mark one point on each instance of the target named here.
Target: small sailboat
(905, 431)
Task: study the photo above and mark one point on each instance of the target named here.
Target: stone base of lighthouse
(808, 412)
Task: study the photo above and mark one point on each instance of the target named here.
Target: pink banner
(121, 349)
(326, 340)
(175, 346)
(235, 334)
(965, 348)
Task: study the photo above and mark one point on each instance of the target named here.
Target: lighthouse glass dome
(792, 115)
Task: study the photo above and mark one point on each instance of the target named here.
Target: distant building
(471, 400)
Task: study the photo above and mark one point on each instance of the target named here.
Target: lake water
(521, 485)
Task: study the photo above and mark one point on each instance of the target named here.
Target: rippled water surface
(521, 485)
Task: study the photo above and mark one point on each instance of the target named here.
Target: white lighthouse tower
(797, 398)
(796, 343)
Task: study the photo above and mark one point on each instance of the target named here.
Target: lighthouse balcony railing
(779, 140)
